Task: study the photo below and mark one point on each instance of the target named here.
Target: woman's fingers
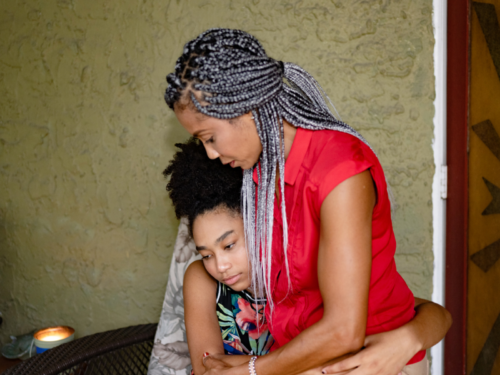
(344, 366)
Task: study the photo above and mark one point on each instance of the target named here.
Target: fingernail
(206, 354)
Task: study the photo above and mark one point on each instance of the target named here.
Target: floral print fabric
(242, 322)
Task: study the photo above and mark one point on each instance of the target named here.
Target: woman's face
(234, 142)
(220, 240)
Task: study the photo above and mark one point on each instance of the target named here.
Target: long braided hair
(226, 73)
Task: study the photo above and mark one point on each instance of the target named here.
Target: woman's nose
(211, 152)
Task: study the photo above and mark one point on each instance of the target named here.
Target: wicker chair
(121, 351)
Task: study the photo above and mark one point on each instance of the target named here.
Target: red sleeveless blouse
(317, 163)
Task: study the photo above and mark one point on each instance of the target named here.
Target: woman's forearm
(309, 350)
(214, 362)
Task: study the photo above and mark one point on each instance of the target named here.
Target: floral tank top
(242, 322)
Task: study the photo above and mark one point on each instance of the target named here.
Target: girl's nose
(223, 265)
(211, 152)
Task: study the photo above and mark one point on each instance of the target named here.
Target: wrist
(239, 370)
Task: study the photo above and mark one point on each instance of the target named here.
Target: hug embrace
(290, 210)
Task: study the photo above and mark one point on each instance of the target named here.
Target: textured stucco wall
(86, 226)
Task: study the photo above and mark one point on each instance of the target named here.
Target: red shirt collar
(295, 157)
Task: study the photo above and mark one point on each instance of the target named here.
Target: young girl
(221, 315)
(217, 294)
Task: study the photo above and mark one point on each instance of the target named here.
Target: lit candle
(51, 337)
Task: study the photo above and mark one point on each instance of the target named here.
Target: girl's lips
(232, 164)
(232, 280)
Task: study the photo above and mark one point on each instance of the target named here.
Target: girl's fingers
(211, 363)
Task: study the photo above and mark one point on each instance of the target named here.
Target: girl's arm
(430, 324)
(202, 325)
(387, 353)
(344, 265)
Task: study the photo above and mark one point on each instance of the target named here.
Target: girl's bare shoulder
(197, 277)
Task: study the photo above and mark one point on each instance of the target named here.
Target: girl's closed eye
(210, 140)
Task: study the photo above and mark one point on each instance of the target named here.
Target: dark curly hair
(198, 184)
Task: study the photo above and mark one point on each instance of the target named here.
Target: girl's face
(234, 142)
(220, 239)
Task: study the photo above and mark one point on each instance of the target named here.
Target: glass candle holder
(50, 337)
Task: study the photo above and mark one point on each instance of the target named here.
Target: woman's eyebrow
(221, 238)
(198, 133)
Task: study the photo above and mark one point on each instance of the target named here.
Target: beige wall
(86, 226)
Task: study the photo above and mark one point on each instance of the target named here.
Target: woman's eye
(230, 246)
(211, 140)
(206, 257)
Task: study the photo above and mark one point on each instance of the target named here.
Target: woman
(326, 240)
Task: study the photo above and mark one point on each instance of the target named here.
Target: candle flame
(54, 337)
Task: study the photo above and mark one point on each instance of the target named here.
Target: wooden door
(483, 292)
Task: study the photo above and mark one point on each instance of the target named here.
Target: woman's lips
(232, 164)
(232, 280)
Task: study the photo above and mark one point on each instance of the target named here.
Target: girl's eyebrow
(221, 238)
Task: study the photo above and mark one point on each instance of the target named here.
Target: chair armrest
(120, 349)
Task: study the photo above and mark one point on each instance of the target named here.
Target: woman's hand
(384, 354)
(387, 353)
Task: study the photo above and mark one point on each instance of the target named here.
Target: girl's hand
(212, 363)
(384, 354)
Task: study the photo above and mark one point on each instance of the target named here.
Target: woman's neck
(290, 132)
